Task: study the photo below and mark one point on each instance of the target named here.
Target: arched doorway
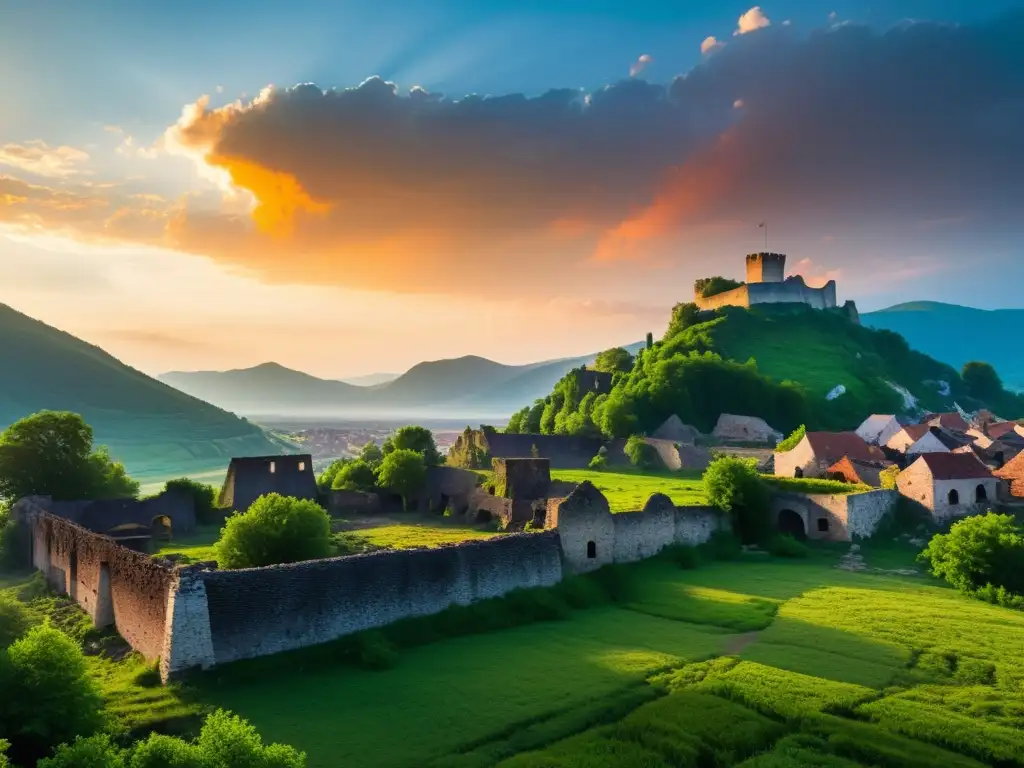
(791, 523)
(161, 527)
(953, 498)
(980, 493)
(483, 517)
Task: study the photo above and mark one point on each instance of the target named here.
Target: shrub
(683, 555)
(15, 545)
(598, 463)
(793, 440)
(374, 651)
(204, 496)
(325, 479)
(417, 439)
(722, 545)
(275, 529)
(641, 453)
(49, 697)
(93, 752)
(784, 545)
(14, 621)
(888, 476)
(979, 551)
(735, 487)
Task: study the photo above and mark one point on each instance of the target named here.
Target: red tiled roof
(955, 466)
(917, 431)
(854, 471)
(948, 420)
(832, 446)
(995, 431)
(1014, 472)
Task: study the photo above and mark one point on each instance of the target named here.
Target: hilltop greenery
(712, 286)
(777, 362)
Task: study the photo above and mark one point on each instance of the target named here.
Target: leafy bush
(722, 545)
(642, 454)
(784, 545)
(375, 651)
(204, 496)
(712, 286)
(793, 440)
(888, 476)
(417, 439)
(812, 485)
(404, 471)
(325, 479)
(598, 463)
(614, 360)
(275, 529)
(49, 697)
(94, 752)
(979, 551)
(683, 555)
(735, 487)
(14, 621)
(355, 475)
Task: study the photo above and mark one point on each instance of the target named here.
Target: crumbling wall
(342, 503)
(113, 584)
(836, 517)
(260, 611)
(103, 515)
(639, 535)
(522, 478)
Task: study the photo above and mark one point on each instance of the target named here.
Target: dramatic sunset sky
(349, 187)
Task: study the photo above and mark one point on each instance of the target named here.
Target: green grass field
(629, 491)
(759, 662)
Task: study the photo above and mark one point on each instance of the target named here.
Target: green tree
(979, 551)
(92, 752)
(515, 421)
(793, 440)
(275, 529)
(48, 695)
(413, 438)
(4, 746)
(356, 475)
(735, 487)
(51, 453)
(404, 471)
(325, 480)
(203, 494)
(14, 621)
(372, 454)
(712, 286)
(614, 360)
(983, 382)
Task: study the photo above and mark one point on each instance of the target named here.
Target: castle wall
(114, 585)
(260, 611)
(792, 291)
(737, 297)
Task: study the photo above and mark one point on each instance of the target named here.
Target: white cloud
(710, 44)
(41, 159)
(738, 104)
(751, 21)
(639, 65)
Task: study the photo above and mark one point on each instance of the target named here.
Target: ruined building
(767, 284)
(254, 476)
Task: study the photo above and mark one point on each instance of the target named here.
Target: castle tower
(766, 267)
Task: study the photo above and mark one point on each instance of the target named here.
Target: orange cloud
(39, 158)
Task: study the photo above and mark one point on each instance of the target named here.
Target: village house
(675, 430)
(916, 439)
(818, 451)
(1012, 474)
(949, 485)
(952, 420)
(858, 472)
(878, 429)
(745, 430)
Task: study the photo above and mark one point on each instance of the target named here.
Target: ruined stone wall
(791, 291)
(522, 478)
(342, 503)
(113, 584)
(836, 517)
(737, 297)
(260, 611)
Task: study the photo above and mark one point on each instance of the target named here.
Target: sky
(347, 188)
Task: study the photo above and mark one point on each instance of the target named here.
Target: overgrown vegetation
(777, 363)
(275, 529)
(794, 439)
(712, 286)
(203, 494)
(736, 488)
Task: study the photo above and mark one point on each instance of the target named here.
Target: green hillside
(153, 428)
(779, 362)
(957, 335)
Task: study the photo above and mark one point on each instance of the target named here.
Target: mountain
(153, 428)
(469, 387)
(957, 335)
(266, 389)
(371, 379)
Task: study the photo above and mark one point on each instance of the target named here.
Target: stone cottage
(675, 430)
(916, 439)
(818, 451)
(250, 477)
(744, 429)
(949, 485)
(858, 472)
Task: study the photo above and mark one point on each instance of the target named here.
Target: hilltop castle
(767, 284)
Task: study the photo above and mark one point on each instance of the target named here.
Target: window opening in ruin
(823, 524)
(980, 494)
(273, 467)
(302, 466)
(483, 516)
(790, 522)
(591, 550)
(954, 498)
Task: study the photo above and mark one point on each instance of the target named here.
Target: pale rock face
(836, 392)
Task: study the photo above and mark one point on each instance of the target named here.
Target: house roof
(952, 420)
(866, 472)
(996, 431)
(954, 466)
(832, 446)
(917, 431)
(1014, 472)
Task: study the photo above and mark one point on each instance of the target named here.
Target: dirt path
(737, 643)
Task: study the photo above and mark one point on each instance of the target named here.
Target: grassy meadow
(759, 662)
(629, 491)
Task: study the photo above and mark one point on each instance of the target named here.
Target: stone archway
(791, 523)
(161, 528)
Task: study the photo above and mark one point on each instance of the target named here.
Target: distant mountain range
(957, 335)
(471, 386)
(154, 429)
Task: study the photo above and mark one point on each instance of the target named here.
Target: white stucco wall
(927, 444)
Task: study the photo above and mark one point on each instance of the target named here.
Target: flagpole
(766, 237)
